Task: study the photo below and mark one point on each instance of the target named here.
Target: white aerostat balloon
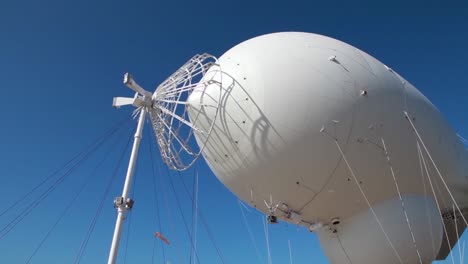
(318, 133)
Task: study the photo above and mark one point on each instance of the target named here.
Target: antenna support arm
(130, 83)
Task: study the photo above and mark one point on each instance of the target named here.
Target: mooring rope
(90, 230)
(435, 198)
(202, 219)
(252, 238)
(387, 154)
(74, 199)
(367, 201)
(155, 191)
(76, 158)
(182, 213)
(435, 166)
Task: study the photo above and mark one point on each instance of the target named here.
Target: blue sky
(61, 62)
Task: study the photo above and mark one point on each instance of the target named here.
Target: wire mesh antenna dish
(180, 123)
(175, 120)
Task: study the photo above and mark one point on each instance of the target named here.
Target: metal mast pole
(123, 204)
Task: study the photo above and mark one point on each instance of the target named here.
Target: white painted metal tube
(122, 210)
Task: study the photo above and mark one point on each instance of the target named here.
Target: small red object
(158, 235)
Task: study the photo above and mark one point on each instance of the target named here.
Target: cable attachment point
(271, 217)
(289, 215)
(333, 58)
(120, 202)
(129, 203)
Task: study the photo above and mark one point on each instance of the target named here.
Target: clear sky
(61, 62)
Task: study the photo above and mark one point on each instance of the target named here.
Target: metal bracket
(120, 202)
(141, 98)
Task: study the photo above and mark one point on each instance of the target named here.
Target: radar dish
(173, 125)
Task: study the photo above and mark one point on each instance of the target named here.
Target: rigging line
(208, 231)
(170, 215)
(463, 140)
(267, 238)
(243, 205)
(435, 166)
(401, 199)
(178, 203)
(166, 204)
(155, 191)
(367, 201)
(26, 211)
(456, 230)
(192, 227)
(426, 202)
(67, 208)
(99, 209)
(442, 197)
(181, 213)
(88, 149)
(435, 198)
(90, 230)
(290, 254)
(194, 212)
(342, 247)
(252, 238)
(127, 236)
(196, 205)
(463, 253)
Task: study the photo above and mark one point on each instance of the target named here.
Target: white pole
(290, 254)
(194, 235)
(123, 204)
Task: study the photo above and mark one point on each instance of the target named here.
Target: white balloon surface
(321, 134)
